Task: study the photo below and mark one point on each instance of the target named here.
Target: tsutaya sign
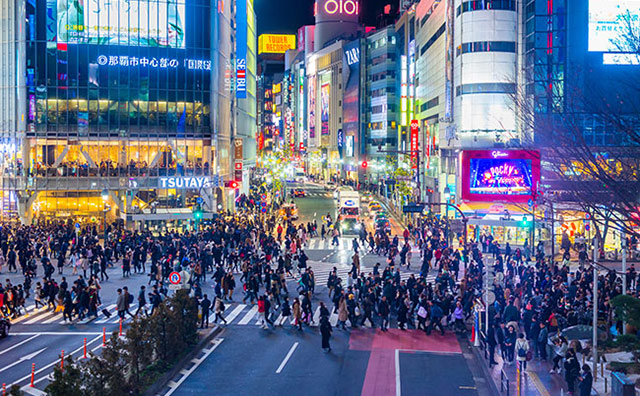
(183, 182)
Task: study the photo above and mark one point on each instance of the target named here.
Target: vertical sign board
(241, 49)
(414, 144)
(238, 155)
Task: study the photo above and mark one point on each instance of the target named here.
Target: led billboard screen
(324, 108)
(495, 175)
(607, 21)
(147, 23)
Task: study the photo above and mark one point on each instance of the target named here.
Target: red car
(298, 192)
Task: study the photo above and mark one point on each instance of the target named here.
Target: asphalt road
(284, 361)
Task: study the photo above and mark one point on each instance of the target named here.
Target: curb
(164, 380)
(485, 370)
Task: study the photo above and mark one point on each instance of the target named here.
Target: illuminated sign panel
(347, 7)
(414, 143)
(182, 182)
(276, 43)
(147, 23)
(324, 108)
(500, 175)
(241, 49)
(607, 23)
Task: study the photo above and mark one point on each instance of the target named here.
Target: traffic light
(525, 221)
(233, 185)
(364, 164)
(197, 213)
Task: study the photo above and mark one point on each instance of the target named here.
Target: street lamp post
(447, 196)
(595, 308)
(105, 197)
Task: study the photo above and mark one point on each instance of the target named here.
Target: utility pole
(623, 242)
(595, 309)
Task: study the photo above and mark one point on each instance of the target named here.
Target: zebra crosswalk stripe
(236, 311)
(247, 318)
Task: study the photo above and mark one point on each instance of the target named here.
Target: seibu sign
(182, 182)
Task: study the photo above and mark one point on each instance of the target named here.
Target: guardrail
(504, 383)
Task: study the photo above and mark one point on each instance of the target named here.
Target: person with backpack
(522, 350)
(219, 309)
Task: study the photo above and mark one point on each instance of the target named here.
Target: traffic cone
(473, 333)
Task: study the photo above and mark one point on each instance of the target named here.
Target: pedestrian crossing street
(322, 270)
(247, 315)
(345, 244)
(43, 316)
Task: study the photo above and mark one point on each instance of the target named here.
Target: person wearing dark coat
(325, 330)
(586, 381)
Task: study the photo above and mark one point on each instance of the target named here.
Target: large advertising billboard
(499, 175)
(324, 108)
(351, 99)
(147, 23)
(607, 23)
(276, 43)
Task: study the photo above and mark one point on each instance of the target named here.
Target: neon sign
(155, 63)
(349, 7)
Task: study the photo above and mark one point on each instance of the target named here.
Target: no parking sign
(174, 278)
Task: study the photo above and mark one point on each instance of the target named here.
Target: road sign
(530, 203)
(263, 197)
(174, 278)
(199, 200)
(175, 287)
(263, 209)
(412, 208)
(78, 225)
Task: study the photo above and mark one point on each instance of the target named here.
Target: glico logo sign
(499, 154)
(348, 7)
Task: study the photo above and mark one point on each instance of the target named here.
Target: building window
(433, 39)
(486, 88)
(486, 46)
(479, 5)
(430, 104)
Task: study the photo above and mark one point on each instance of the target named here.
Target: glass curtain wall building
(114, 107)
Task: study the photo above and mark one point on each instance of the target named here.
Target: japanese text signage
(153, 62)
(414, 143)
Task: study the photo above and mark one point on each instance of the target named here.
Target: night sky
(286, 16)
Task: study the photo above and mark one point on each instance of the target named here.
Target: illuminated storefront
(118, 104)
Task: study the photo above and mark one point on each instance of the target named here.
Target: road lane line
(22, 359)
(247, 318)
(316, 316)
(286, 358)
(26, 377)
(236, 311)
(18, 344)
(216, 343)
(398, 387)
(28, 333)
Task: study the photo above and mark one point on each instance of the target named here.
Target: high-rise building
(121, 109)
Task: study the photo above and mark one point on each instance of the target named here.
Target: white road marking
(286, 358)
(38, 317)
(235, 313)
(26, 377)
(56, 333)
(22, 359)
(18, 344)
(247, 318)
(176, 385)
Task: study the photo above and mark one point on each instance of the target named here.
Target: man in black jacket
(205, 305)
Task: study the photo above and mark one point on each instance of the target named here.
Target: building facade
(127, 119)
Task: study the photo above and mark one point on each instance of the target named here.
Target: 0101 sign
(348, 7)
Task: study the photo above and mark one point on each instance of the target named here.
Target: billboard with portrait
(146, 23)
(499, 175)
(324, 108)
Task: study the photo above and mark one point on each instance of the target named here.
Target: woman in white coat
(522, 350)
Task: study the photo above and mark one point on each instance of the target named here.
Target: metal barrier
(504, 383)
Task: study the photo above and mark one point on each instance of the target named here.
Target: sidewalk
(535, 381)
